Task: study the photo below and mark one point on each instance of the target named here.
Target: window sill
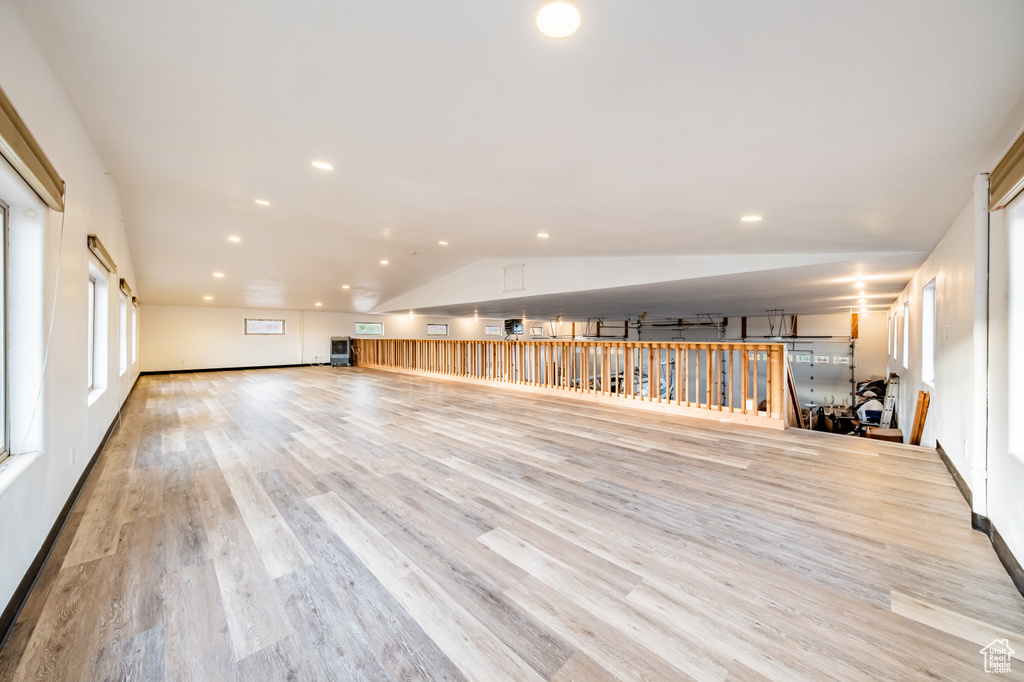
(12, 468)
(95, 394)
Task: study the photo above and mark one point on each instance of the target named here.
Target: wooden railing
(726, 381)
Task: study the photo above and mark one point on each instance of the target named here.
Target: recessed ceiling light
(322, 165)
(411, 315)
(263, 202)
(859, 284)
(234, 239)
(207, 298)
(863, 301)
(558, 19)
(383, 262)
(443, 243)
(218, 274)
(318, 303)
(543, 235)
(750, 218)
(863, 310)
(344, 286)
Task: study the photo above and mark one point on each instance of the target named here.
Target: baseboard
(222, 369)
(983, 524)
(1009, 561)
(965, 490)
(20, 596)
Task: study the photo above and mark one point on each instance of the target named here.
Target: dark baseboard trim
(965, 490)
(221, 369)
(983, 524)
(1009, 561)
(20, 596)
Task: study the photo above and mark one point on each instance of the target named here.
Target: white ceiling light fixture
(323, 165)
(383, 262)
(218, 274)
(558, 19)
(443, 243)
(263, 202)
(344, 286)
(751, 218)
(318, 304)
(543, 235)
(234, 239)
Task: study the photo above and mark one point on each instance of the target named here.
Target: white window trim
(101, 331)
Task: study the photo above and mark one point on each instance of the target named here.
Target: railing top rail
(607, 342)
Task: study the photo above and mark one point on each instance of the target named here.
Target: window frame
(906, 335)
(122, 323)
(378, 325)
(93, 288)
(249, 332)
(928, 333)
(135, 333)
(5, 398)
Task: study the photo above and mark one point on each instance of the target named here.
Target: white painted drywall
(58, 419)
(198, 337)
(949, 419)
(1005, 468)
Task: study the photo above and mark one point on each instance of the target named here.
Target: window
(253, 326)
(1015, 338)
(906, 335)
(437, 330)
(492, 331)
(135, 333)
(888, 333)
(369, 328)
(4, 445)
(123, 328)
(92, 333)
(928, 334)
(98, 330)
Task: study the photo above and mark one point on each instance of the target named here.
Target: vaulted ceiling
(850, 126)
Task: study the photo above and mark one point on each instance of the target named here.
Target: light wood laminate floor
(349, 524)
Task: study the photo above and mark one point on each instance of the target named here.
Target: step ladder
(892, 388)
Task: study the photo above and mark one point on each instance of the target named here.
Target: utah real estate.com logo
(997, 656)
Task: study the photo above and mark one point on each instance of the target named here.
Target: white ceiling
(850, 126)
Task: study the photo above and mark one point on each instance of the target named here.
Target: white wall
(950, 413)
(58, 420)
(195, 337)
(1005, 499)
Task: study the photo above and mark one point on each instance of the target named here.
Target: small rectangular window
(437, 330)
(492, 331)
(123, 328)
(369, 328)
(928, 334)
(254, 326)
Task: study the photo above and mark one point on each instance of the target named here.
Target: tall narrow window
(1015, 220)
(99, 330)
(928, 334)
(4, 445)
(135, 333)
(123, 328)
(888, 333)
(92, 333)
(906, 335)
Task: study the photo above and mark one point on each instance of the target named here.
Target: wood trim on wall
(1007, 178)
(23, 152)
